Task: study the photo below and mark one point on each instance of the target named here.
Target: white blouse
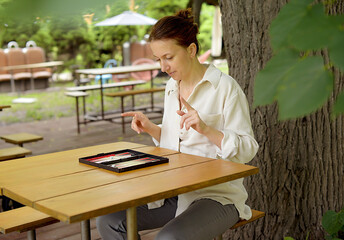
(221, 104)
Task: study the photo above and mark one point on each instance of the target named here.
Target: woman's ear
(192, 49)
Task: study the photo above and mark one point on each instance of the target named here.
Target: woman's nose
(164, 66)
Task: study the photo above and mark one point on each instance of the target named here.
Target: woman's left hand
(191, 118)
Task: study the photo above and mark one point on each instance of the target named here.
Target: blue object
(106, 77)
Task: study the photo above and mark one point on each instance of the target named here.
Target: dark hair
(180, 27)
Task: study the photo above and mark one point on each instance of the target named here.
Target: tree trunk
(301, 161)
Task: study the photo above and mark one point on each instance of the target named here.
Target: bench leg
(31, 234)
(77, 114)
(122, 111)
(85, 230)
(152, 101)
(84, 108)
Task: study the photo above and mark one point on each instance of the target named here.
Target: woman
(206, 114)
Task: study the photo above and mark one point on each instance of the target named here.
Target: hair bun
(186, 14)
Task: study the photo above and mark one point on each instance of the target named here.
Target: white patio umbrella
(128, 18)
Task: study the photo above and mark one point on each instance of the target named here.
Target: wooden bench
(24, 219)
(255, 215)
(132, 93)
(76, 95)
(14, 152)
(104, 86)
(21, 138)
(148, 234)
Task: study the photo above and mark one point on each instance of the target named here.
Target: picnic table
(58, 185)
(102, 86)
(30, 66)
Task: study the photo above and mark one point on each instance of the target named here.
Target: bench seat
(148, 234)
(132, 93)
(23, 219)
(21, 138)
(14, 152)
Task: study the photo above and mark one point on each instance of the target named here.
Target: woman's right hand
(140, 122)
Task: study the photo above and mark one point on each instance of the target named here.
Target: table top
(33, 65)
(57, 184)
(106, 85)
(4, 106)
(120, 69)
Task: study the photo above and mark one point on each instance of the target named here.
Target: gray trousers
(203, 220)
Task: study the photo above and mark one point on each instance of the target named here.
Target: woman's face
(174, 59)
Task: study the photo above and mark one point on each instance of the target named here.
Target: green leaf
(314, 31)
(268, 79)
(288, 238)
(336, 50)
(289, 17)
(305, 88)
(338, 109)
(330, 222)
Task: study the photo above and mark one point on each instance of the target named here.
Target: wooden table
(4, 106)
(121, 70)
(79, 91)
(30, 66)
(57, 184)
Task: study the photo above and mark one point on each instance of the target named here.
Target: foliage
(296, 76)
(206, 26)
(60, 29)
(333, 224)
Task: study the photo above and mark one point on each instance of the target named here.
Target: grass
(53, 104)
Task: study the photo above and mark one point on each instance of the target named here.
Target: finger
(180, 113)
(186, 104)
(134, 126)
(128, 114)
(189, 122)
(183, 119)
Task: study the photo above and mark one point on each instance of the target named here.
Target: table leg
(84, 108)
(132, 223)
(77, 113)
(152, 86)
(85, 230)
(122, 111)
(13, 88)
(31, 235)
(101, 96)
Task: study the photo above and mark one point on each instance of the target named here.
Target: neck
(196, 75)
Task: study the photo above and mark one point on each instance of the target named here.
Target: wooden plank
(32, 65)
(255, 215)
(134, 92)
(28, 193)
(13, 153)
(4, 106)
(20, 138)
(120, 69)
(53, 164)
(118, 196)
(23, 219)
(106, 85)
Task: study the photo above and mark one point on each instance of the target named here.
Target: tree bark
(301, 161)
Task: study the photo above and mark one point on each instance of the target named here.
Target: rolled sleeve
(238, 143)
(156, 142)
(237, 148)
